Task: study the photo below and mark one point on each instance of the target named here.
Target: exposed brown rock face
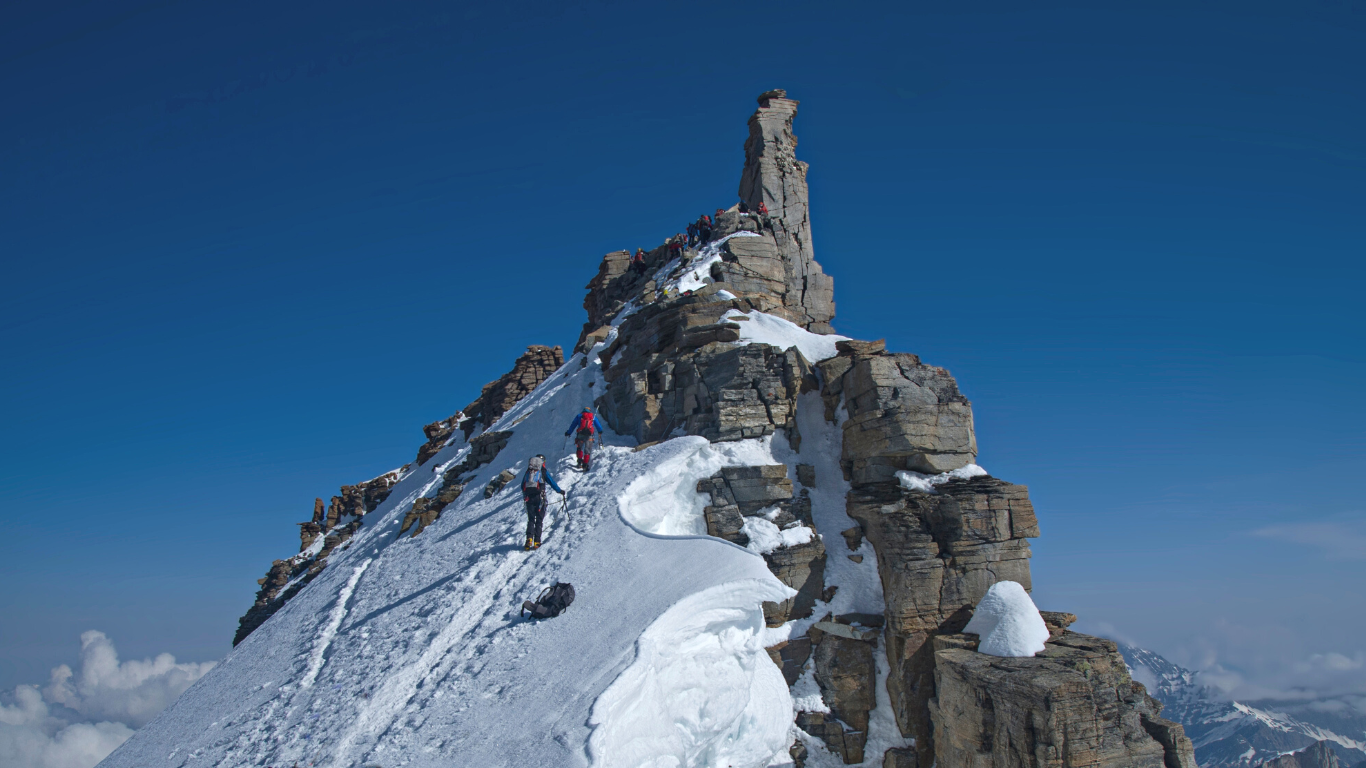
(846, 671)
(775, 177)
(739, 492)
(937, 556)
(533, 367)
(675, 369)
(336, 525)
(1070, 706)
(903, 414)
(613, 286)
(1316, 755)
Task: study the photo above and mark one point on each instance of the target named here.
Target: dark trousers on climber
(535, 512)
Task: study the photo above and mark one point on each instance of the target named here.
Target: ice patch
(702, 689)
(917, 482)
(765, 537)
(1008, 622)
(768, 329)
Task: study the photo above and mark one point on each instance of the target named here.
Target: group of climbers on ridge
(585, 427)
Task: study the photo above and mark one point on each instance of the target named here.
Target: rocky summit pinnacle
(775, 178)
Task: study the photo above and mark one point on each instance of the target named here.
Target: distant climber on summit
(585, 427)
(533, 494)
(638, 262)
(704, 229)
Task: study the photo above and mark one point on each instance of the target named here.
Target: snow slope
(410, 651)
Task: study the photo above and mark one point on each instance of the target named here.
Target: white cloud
(79, 718)
(1344, 540)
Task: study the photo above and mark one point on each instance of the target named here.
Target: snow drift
(1007, 622)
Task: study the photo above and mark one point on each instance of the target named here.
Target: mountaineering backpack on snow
(552, 602)
(531, 481)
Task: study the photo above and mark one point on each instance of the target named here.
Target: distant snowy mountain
(1232, 733)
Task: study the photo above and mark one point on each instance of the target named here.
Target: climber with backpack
(585, 427)
(638, 262)
(533, 494)
(704, 229)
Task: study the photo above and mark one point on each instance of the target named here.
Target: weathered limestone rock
(775, 177)
(900, 757)
(1316, 755)
(499, 482)
(335, 523)
(614, 285)
(903, 414)
(791, 657)
(846, 672)
(426, 511)
(938, 553)
(674, 367)
(533, 367)
(738, 492)
(1071, 705)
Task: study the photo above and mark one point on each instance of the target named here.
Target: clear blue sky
(251, 248)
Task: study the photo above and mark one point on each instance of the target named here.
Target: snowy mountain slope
(410, 651)
(1231, 733)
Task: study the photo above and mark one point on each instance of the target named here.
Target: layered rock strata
(335, 524)
(533, 367)
(765, 492)
(775, 177)
(673, 370)
(1072, 705)
(903, 414)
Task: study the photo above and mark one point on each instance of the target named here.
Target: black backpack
(552, 602)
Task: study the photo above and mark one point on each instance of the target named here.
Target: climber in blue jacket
(585, 427)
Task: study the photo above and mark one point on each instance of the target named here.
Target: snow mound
(917, 482)
(701, 691)
(1008, 622)
(768, 329)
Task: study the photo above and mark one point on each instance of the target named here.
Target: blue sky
(252, 248)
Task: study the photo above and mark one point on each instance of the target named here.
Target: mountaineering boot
(530, 544)
(535, 544)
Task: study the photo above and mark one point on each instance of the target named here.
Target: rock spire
(775, 177)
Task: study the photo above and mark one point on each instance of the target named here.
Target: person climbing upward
(692, 234)
(638, 262)
(704, 229)
(533, 494)
(584, 426)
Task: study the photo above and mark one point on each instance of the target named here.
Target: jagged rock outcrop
(903, 414)
(613, 286)
(1072, 705)
(938, 553)
(335, 524)
(775, 177)
(533, 367)
(846, 670)
(1316, 755)
(484, 448)
(766, 491)
(672, 368)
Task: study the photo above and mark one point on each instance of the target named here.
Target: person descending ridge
(584, 426)
(533, 493)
